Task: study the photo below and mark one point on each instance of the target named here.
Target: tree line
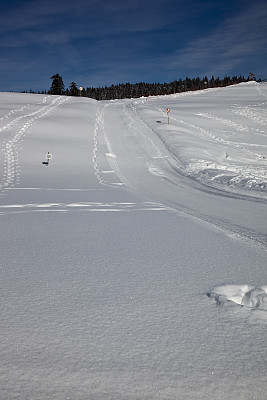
(141, 89)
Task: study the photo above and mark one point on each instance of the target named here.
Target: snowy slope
(209, 167)
(134, 265)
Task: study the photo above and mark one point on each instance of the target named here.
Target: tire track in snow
(12, 143)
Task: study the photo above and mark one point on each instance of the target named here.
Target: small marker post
(167, 111)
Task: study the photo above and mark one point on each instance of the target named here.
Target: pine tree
(57, 86)
(73, 89)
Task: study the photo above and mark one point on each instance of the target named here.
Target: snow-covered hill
(133, 266)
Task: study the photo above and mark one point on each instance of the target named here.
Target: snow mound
(243, 295)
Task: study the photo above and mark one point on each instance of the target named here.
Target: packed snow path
(153, 166)
(134, 265)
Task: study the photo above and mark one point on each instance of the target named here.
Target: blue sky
(104, 42)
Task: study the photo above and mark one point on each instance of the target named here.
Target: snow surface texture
(134, 265)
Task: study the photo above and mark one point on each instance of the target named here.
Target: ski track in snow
(81, 206)
(21, 126)
(104, 174)
(141, 129)
(98, 122)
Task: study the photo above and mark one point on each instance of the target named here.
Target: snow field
(130, 269)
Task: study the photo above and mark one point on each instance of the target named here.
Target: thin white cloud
(88, 17)
(239, 38)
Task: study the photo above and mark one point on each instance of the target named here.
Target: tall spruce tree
(73, 89)
(57, 86)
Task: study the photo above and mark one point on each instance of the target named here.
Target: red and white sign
(167, 110)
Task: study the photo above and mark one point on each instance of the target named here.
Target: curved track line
(101, 152)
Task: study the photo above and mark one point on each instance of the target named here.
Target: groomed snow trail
(155, 168)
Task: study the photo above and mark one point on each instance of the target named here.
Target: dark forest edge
(141, 89)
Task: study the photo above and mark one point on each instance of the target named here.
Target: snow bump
(244, 295)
